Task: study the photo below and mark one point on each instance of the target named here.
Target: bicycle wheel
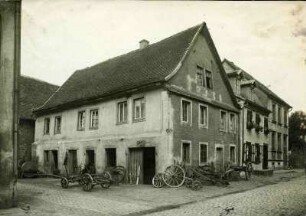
(174, 176)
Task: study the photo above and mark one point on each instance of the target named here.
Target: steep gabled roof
(156, 63)
(33, 94)
(258, 83)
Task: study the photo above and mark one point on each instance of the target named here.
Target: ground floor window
(186, 152)
(257, 153)
(203, 153)
(111, 158)
(233, 154)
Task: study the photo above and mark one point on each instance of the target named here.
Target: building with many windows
(264, 120)
(165, 102)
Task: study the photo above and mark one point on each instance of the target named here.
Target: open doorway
(72, 162)
(111, 157)
(90, 161)
(142, 165)
(265, 157)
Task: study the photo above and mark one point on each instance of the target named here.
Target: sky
(266, 39)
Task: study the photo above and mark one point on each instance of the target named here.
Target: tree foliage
(297, 138)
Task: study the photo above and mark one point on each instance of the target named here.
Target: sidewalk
(44, 196)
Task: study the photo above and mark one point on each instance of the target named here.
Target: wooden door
(72, 162)
(135, 165)
(219, 159)
(265, 157)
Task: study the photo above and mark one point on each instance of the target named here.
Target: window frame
(206, 118)
(78, 120)
(49, 124)
(200, 71)
(211, 79)
(203, 144)
(55, 124)
(190, 151)
(234, 128)
(125, 112)
(235, 153)
(225, 123)
(90, 119)
(189, 121)
(142, 111)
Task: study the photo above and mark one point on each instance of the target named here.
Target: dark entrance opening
(90, 161)
(55, 159)
(142, 165)
(72, 162)
(148, 165)
(265, 157)
(111, 157)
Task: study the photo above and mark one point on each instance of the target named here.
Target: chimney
(143, 43)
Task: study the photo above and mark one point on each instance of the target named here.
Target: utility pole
(10, 28)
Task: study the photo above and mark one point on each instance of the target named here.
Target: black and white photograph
(158, 108)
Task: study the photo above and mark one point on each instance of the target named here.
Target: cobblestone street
(44, 196)
(286, 198)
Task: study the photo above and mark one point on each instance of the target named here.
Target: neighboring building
(165, 102)
(33, 94)
(264, 120)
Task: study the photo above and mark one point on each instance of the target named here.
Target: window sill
(203, 163)
(93, 128)
(203, 126)
(47, 134)
(57, 133)
(222, 130)
(81, 129)
(138, 120)
(121, 123)
(186, 123)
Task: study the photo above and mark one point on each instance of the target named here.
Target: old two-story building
(166, 102)
(264, 120)
(33, 94)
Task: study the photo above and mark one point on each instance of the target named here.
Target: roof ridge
(140, 50)
(39, 80)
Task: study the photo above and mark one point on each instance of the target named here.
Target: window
(285, 117)
(81, 120)
(139, 109)
(233, 154)
(274, 113)
(266, 126)
(257, 155)
(94, 119)
(122, 112)
(186, 111)
(279, 115)
(232, 122)
(186, 152)
(247, 152)
(203, 153)
(279, 146)
(249, 119)
(57, 124)
(200, 80)
(203, 116)
(257, 125)
(47, 126)
(208, 77)
(223, 120)
(111, 159)
(273, 150)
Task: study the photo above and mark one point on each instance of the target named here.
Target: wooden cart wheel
(106, 181)
(87, 182)
(158, 181)
(119, 173)
(196, 185)
(64, 182)
(174, 176)
(188, 182)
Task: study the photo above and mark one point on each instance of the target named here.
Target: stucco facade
(191, 116)
(264, 124)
